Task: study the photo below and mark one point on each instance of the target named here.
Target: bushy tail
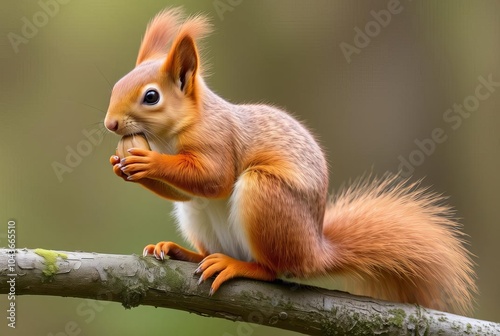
(398, 242)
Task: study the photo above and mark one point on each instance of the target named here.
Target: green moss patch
(50, 258)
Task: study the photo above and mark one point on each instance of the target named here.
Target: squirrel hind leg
(282, 233)
(228, 268)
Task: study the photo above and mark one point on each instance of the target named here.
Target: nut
(131, 141)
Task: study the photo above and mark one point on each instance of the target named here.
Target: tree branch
(134, 281)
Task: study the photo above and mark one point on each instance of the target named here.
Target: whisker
(103, 131)
(102, 75)
(153, 136)
(97, 123)
(88, 105)
(150, 135)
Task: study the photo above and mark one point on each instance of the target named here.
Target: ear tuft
(197, 27)
(159, 34)
(182, 63)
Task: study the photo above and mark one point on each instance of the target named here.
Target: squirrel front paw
(171, 249)
(140, 164)
(115, 162)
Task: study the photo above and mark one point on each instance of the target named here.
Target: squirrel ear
(182, 64)
(159, 33)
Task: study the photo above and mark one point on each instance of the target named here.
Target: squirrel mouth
(140, 134)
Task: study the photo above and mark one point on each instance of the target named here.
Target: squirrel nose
(111, 124)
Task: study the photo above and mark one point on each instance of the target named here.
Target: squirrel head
(161, 95)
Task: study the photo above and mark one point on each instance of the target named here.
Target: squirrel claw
(149, 249)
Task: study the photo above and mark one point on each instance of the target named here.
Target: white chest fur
(215, 224)
(211, 223)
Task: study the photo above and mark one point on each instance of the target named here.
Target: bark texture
(134, 280)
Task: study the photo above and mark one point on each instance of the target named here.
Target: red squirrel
(249, 185)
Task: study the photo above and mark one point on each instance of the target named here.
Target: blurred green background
(368, 109)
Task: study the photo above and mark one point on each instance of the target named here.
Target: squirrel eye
(151, 97)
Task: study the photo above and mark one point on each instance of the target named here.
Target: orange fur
(403, 237)
(174, 251)
(284, 234)
(251, 189)
(161, 189)
(158, 35)
(228, 268)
